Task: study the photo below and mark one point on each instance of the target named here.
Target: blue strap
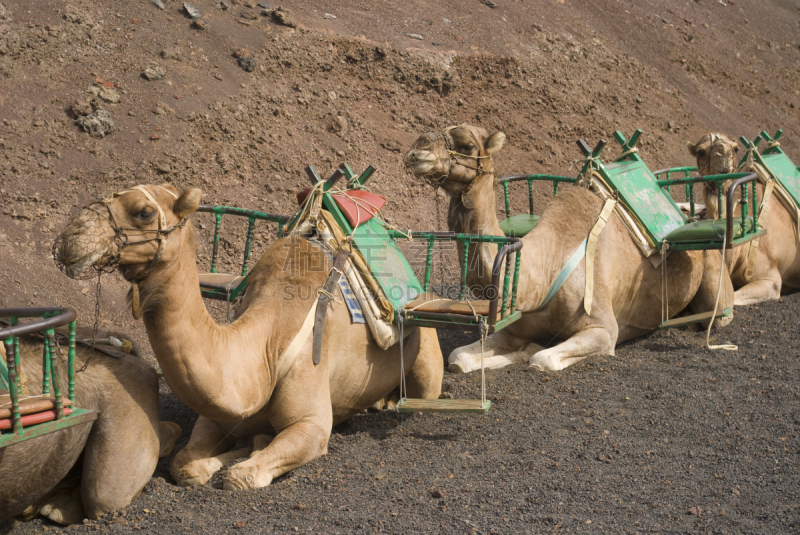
(579, 253)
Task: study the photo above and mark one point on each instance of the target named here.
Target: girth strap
(591, 249)
(325, 297)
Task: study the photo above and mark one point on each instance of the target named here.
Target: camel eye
(145, 214)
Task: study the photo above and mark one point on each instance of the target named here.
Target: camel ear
(187, 203)
(735, 149)
(692, 148)
(494, 143)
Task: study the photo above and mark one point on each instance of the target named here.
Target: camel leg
(295, 446)
(63, 504)
(500, 349)
(424, 380)
(168, 434)
(586, 343)
(208, 450)
(767, 288)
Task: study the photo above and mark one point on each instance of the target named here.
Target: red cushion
(358, 206)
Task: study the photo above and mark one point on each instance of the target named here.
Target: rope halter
(454, 155)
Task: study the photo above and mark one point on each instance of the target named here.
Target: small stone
(696, 511)
(81, 108)
(85, 291)
(264, 5)
(97, 124)
(108, 95)
(436, 493)
(200, 24)
(328, 16)
(223, 6)
(154, 72)
(191, 11)
(171, 53)
(281, 15)
(415, 36)
(159, 4)
(241, 53)
(248, 64)
(489, 3)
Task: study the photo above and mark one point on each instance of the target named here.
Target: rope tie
(729, 347)
(626, 153)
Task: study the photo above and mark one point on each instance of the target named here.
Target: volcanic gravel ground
(666, 436)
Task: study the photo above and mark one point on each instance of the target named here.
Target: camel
(120, 449)
(627, 292)
(252, 381)
(777, 264)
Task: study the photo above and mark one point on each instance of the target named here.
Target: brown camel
(120, 449)
(776, 266)
(627, 291)
(253, 379)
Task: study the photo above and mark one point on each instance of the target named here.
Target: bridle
(121, 239)
(453, 154)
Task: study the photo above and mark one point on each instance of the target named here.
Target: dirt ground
(666, 436)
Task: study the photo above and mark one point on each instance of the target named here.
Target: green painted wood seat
(518, 225)
(708, 231)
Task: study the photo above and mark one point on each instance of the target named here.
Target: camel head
(132, 230)
(455, 157)
(716, 155)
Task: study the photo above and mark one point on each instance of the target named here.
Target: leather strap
(591, 249)
(752, 252)
(325, 297)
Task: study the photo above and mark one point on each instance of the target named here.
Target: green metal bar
(71, 362)
(743, 197)
(754, 209)
(13, 380)
(251, 223)
(428, 264)
(515, 283)
(465, 265)
(530, 196)
(720, 208)
(50, 341)
(555, 187)
(508, 201)
(215, 248)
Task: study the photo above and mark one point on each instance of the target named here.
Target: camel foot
(199, 471)
(168, 434)
(244, 477)
(64, 511)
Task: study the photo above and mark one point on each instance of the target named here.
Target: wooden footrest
(29, 405)
(443, 405)
(694, 318)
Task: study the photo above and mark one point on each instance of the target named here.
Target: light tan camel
(120, 449)
(243, 378)
(777, 263)
(627, 291)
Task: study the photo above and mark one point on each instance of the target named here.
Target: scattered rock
(200, 24)
(696, 511)
(415, 36)
(82, 108)
(328, 16)
(154, 72)
(97, 124)
(162, 109)
(247, 63)
(191, 11)
(172, 52)
(223, 6)
(159, 4)
(264, 5)
(489, 3)
(106, 94)
(436, 493)
(281, 16)
(241, 53)
(164, 168)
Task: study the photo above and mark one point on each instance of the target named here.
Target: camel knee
(168, 434)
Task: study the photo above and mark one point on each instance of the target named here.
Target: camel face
(129, 230)
(716, 154)
(455, 157)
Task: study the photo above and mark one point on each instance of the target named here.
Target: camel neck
(204, 363)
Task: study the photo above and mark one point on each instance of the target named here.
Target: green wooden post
(464, 266)
(71, 362)
(45, 369)
(428, 264)
(13, 381)
(251, 223)
(51, 344)
(217, 226)
(555, 188)
(744, 203)
(508, 201)
(530, 196)
(754, 209)
(506, 283)
(515, 283)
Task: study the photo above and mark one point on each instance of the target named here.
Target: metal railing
(530, 179)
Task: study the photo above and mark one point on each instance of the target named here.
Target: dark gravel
(666, 437)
